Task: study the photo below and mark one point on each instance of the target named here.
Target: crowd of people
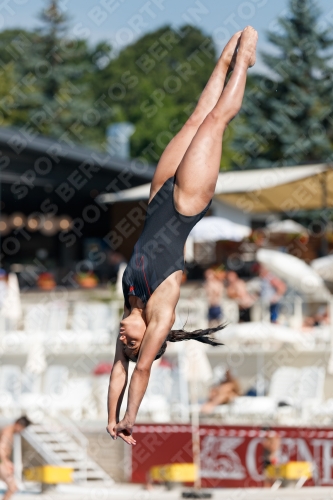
(219, 284)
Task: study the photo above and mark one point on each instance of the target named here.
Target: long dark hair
(199, 335)
(180, 335)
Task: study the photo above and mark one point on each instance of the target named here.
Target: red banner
(231, 456)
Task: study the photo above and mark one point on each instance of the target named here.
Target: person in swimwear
(181, 192)
(222, 393)
(6, 448)
(213, 286)
(237, 290)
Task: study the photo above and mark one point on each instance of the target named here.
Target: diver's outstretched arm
(117, 386)
(156, 333)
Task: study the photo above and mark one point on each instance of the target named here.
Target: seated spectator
(236, 290)
(321, 318)
(272, 290)
(214, 290)
(224, 392)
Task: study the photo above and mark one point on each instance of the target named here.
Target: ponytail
(180, 335)
(199, 335)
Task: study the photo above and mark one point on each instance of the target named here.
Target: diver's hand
(124, 430)
(110, 429)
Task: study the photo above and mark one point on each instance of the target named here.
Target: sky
(120, 22)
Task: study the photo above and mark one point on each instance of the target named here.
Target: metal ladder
(59, 442)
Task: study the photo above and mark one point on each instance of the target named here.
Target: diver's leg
(199, 169)
(177, 147)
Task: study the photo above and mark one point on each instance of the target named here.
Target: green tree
(55, 97)
(287, 117)
(13, 44)
(155, 83)
(59, 86)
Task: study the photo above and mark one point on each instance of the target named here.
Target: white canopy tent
(217, 229)
(263, 190)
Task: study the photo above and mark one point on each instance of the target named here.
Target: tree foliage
(58, 86)
(155, 84)
(287, 117)
(51, 94)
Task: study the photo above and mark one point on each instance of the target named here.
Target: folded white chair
(10, 380)
(75, 401)
(100, 393)
(246, 405)
(8, 405)
(322, 410)
(55, 379)
(284, 386)
(91, 316)
(221, 410)
(156, 408)
(36, 318)
(311, 392)
(157, 400)
(57, 316)
(31, 396)
(81, 317)
(100, 316)
(311, 384)
(35, 394)
(160, 382)
(14, 341)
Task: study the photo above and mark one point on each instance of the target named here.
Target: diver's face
(132, 330)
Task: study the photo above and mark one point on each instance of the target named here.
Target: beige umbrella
(324, 267)
(281, 189)
(287, 226)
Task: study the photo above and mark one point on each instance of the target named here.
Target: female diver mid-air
(180, 195)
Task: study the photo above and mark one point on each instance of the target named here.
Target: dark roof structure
(44, 179)
(33, 167)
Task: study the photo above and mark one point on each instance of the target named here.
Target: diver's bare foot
(247, 45)
(230, 51)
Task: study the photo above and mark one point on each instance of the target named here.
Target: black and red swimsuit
(159, 251)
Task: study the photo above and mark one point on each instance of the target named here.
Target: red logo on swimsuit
(131, 288)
